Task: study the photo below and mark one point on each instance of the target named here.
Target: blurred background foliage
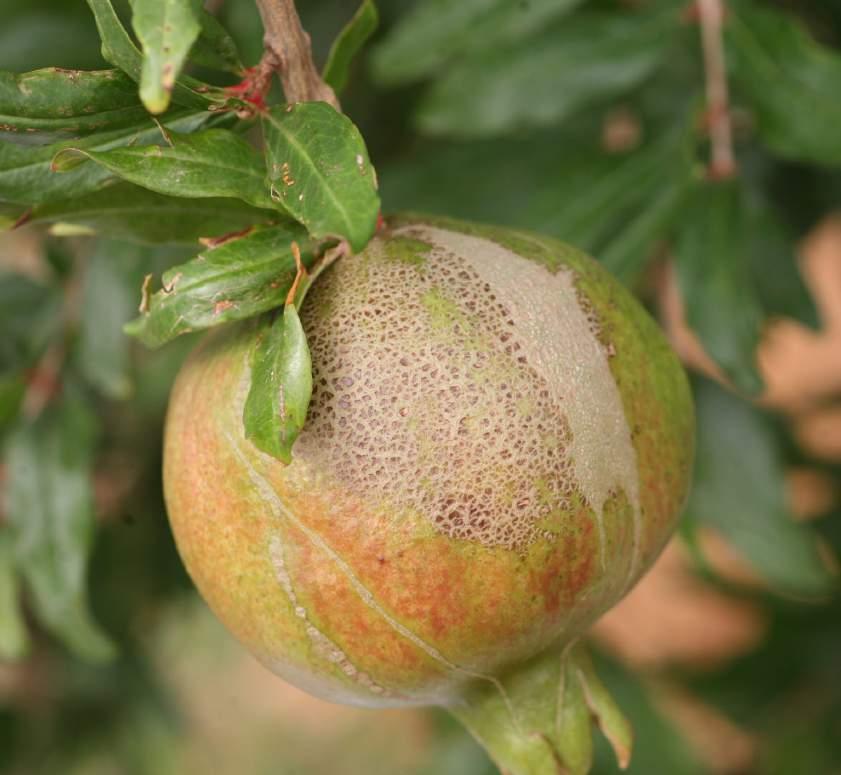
(584, 119)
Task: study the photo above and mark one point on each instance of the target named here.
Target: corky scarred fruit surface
(498, 446)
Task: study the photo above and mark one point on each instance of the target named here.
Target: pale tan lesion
(558, 338)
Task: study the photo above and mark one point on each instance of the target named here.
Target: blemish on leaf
(145, 294)
(170, 287)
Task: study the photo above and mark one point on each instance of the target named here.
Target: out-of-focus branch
(711, 18)
(289, 53)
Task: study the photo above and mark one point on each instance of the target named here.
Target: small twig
(289, 53)
(711, 18)
(300, 274)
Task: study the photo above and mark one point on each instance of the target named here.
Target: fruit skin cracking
(430, 531)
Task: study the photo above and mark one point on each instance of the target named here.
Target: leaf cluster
(143, 151)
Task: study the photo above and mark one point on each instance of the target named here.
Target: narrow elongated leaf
(320, 172)
(53, 104)
(281, 386)
(238, 279)
(117, 47)
(774, 268)
(712, 256)
(739, 490)
(211, 163)
(13, 638)
(436, 31)
(108, 303)
(126, 211)
(799, 115)
(628, 251)
(167, 30)
(26, 175)
(215, 48)
(119, 50)
(350, 40)
(49, 508)
(593, 57)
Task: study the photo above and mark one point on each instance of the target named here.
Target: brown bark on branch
(711, 17)
(289, 53)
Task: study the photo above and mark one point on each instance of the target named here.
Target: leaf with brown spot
(238, 279)
(167, 30)
(281, 386)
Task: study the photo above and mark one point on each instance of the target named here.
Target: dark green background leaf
(350, 40)
(739, 490)
(215, 48)
(434, 32)
(48, 502)
(712, 255)
(591, 58)
(13, 638)
(789, 79)
(130, 212)
(109, 301)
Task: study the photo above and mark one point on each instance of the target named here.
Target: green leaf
(789, 79)
(129, 212)
(12, 388)
(28, 317)
(616, 206)
(13, 638)
(211, 163)
(167, 30)
(436, 31)
(774, 268)
(215, 48)
(238, 279)
(712, 256)
(593, 57)
(320, 172)
(350, 40)
(119, 50)
(108, 303)
(739, 490)
(53, 104)
(628, 252)
(27, 178)
(281, 386)
(49, 506)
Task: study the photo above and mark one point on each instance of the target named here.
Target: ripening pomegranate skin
(498, 446)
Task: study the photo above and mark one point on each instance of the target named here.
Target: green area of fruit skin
(349, 590)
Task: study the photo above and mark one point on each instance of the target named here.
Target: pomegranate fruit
(498, 446)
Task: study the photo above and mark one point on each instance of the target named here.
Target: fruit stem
(289, 53)
(537, 720)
